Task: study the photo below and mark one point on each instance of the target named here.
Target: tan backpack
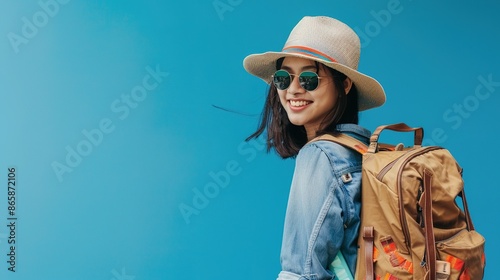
(411, 225)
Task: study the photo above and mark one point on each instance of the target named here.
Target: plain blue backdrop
(110, 117)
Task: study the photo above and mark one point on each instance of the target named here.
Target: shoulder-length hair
(286, 138)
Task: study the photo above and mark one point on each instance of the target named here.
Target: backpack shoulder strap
(344, 140)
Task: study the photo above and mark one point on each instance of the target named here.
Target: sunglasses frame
(292, 77)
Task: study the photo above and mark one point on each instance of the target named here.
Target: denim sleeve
(316, 213)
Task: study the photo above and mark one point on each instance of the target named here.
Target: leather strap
(368, 240)
(468, 218)
(344, 140)
(400, 127)
(430, 241)
(360, 147)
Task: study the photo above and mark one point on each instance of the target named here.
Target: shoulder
(335, 153)
(326, 159)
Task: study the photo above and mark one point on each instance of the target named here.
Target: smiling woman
(316, 90)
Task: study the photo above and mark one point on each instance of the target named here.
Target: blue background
(117, 215)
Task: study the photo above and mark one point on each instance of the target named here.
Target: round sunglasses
(308, 80)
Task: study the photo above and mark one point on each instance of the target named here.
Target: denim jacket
(322, 215)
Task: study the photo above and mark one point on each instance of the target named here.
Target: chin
(297, 122)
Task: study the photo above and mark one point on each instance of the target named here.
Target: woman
(315, 89)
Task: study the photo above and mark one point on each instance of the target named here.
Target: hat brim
(370, 92)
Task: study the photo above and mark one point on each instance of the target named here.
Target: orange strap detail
(456, 263)
(408, 266)
(376, 253)
(390, 277)
(396, 259)
(361, 149)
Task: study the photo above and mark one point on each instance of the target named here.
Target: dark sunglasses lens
(308, 80)
(281, 79)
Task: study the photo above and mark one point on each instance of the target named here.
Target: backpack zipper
(388, 167)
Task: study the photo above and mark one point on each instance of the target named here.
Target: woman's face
(308, 108)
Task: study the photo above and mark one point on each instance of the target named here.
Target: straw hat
(327, 41)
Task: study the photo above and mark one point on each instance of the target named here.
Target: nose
(295, 87)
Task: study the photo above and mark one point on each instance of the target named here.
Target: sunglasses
(308, 80)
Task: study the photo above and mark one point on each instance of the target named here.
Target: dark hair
(286, 138)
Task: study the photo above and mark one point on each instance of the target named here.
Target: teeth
(300, 103)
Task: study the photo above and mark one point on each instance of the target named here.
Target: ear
(347, 85)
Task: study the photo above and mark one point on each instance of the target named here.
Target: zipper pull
(424, 262)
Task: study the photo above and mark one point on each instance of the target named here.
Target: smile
(299, 103)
